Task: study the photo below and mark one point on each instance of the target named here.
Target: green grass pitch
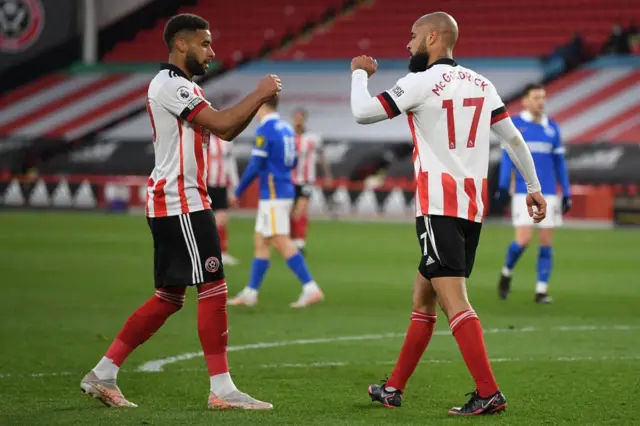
(69, 281)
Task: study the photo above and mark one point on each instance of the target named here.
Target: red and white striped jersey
(223, 170)
(177, 184)
(450, 110)
(308, 145)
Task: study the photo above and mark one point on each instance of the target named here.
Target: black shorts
(303, 191)
(448, 246)
(186, 249)
(219, 197)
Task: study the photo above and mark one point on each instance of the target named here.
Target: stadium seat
(490, 28)
(233, 39)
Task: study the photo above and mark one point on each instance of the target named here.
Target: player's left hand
(537, 206)
(566, 204)
(364, 62)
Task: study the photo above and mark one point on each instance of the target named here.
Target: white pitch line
(325, 364)
(448, 361)
(157, 365)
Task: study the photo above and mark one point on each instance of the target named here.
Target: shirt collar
(528, 117)
(171, 67)
(270, 116)
(444, 61)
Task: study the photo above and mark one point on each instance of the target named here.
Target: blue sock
(258, 270)
(513, 254)
(544, 264)
(299, 267)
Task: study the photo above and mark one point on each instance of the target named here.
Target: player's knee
(523, 241)
(222, 217)
(174, 297)
(545, 237)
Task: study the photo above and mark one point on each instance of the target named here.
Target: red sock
(467, 330)
(144, 322)
(224, 242)
(416, 341)
(304, 225)
(212, 325)
(295, 228)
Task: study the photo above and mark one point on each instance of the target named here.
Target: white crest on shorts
(184, 94)
(212, 264)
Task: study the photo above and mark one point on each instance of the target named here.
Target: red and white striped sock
(467, 331)
(415, 343)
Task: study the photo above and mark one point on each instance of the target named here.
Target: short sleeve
(179, 97)
(498, 109)
(260, 145)
(406, 95)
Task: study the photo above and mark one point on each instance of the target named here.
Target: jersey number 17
(477, 104)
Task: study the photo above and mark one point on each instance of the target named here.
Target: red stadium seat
(237, 30)
(489, 28)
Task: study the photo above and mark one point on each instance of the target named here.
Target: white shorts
(520, 214)
(273, 217)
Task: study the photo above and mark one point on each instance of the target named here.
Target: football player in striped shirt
(451, 111)
(543, 138)
(310, 148)
(185, 244)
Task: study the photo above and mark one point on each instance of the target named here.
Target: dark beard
(193, 66)
(299, 129)
(418, 62)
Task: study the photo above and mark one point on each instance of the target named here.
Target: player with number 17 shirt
(451, 111)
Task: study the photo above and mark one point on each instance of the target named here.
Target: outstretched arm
(230, 122)
(404, 96)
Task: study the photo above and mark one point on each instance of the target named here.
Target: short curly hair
(181, 23)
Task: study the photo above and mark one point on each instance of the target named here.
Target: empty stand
(488, 28)
(238, 29)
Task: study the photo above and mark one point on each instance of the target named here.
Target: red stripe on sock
(213, 327)
(415, 343)
(419, 316)
(468, 333)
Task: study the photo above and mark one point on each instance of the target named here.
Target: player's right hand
(269, 86)
(364, 62)
(537, 206)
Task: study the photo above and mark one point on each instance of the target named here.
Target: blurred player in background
(223, 177)
(273, 157)
(310, 151)
(451, 110)
(179, 215)
(543, 137)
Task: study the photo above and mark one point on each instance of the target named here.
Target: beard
(299, 128)
(193, 66)
(419, 61)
